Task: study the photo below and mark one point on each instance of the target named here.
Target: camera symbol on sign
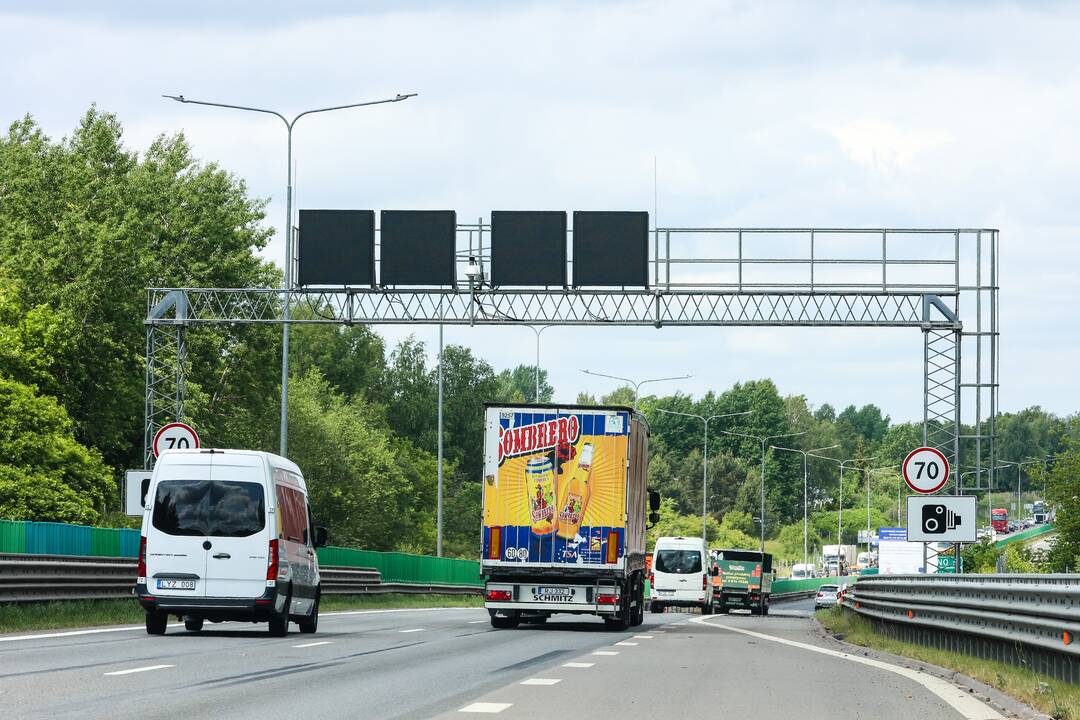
(938, 519)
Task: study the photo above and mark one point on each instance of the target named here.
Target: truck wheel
(156, 622)
(764, 607)
(504, 623)
(707, 609)
(655, 607)
(638, 615)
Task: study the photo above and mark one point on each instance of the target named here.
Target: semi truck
(742, 579)
(838, 559)
(999, 520)
(565, 509)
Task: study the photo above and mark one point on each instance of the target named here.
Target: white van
(680, 575)
(801, 571)
(228, 535)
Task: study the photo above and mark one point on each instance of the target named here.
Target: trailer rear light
(755, 597)
(495, 544)
(607, 599)
(499, 596)
(142, 558)
(272, 562)
(612, 547)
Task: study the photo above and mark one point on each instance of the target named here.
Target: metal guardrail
(1027, 620)
(43, 578)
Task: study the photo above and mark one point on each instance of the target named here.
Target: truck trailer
(565, 510)
(838, 560)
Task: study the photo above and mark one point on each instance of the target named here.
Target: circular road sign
(175, 436)
(926, 470)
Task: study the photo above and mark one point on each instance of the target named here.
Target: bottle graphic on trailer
(540, 482)
(578, 493)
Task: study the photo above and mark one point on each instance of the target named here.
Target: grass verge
(23, 617)
(1053, 697)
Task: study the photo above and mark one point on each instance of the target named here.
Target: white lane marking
(625, 642)
(605, 652)
(643, 637)
(541, 681)
(485, 707)
(578, 665)
(314, 644)
(412, 630)
(129, 628)
(959, 700)
(474, 622)
(139, 670)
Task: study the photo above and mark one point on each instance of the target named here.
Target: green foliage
(519, 385)
(1062, 492)
(981, 557)
(45, 474)
(675, 524)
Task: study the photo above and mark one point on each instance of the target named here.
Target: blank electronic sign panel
(528, 248)
(337, 247)
(611, 249)
(417, 247)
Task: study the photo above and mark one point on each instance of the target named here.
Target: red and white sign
(175, 436)
(926, 470)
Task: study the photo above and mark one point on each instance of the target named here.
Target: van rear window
(218, 508)
(681, 562)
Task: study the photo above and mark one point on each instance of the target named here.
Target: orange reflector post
(1066, 637)
(910, 614)
(858, 605)
(612, 547)
(495, 546)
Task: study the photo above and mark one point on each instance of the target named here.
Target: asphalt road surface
(450, 663)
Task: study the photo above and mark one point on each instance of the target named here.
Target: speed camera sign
(926, 470)
(175, 436)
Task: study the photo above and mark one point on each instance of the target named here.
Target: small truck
(742, 579)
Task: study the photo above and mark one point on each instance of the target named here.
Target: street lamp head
(177, 98)
(404, 96)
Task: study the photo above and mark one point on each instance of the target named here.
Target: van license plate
(176, 584)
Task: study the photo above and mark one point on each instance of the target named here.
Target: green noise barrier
(20, 537)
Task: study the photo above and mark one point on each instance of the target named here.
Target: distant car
(827, 596)
(984, 532)
(1013, 526)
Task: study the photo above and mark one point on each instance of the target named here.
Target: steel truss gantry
(942, 281)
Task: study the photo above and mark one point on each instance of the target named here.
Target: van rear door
(239, 529)
(176, 531)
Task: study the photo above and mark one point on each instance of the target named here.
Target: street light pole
(763, 440)
(840, 496)
(805, 513)
(1019, 465)
(289, 125)
(538, 332)
(705, 461)
(637, 385)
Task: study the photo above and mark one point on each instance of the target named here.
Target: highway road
(449, 663)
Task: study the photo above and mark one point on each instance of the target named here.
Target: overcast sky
(758, 114)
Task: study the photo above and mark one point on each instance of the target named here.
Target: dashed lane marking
(412, 630)
(474, 622)
(627, 643)
(485, 707)
(605, 652)
(643, 637)
(578, 665)
(139, 669)
(541, 681)
(314, 644)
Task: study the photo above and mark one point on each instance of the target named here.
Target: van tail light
(704, 582)
(142, 557)
(499, 596)
(612, 547)
(272, 564)
(495, 544)
(607, 599)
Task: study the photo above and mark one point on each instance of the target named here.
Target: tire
(279, 625)
(310, 624)
(156, 622)
(637, 616)
(707, 609)
(765, 607)
(617, 624)
(504, 623)
(656, 607)
(193, 624)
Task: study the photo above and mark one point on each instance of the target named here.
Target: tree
(1063, 494)
(87, 225)
(45, 474)
(825, 413)
(519, 385)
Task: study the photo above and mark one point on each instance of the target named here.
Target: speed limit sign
(175, 436)
(926, 470)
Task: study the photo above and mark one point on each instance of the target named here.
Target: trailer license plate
(553, 594)
(176, 584)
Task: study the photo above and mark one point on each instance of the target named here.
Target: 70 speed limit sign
(175, 436)
(926, 470)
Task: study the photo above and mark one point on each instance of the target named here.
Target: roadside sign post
(926, 470)
(175, 436)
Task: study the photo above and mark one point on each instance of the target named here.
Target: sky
(846, 114)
